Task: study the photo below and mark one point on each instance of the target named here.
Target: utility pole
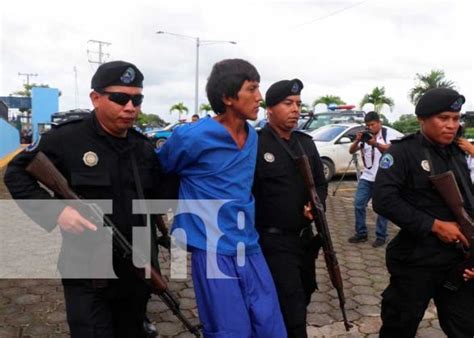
(27, 75)
(199, 43)
(99, 52)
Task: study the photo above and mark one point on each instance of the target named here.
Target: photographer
(372, 143)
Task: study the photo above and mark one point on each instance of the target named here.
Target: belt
(283, 232)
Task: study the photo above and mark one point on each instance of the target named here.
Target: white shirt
(470, 164)
(369, 174)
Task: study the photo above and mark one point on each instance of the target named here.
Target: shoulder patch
(33, 145)
(386, 161)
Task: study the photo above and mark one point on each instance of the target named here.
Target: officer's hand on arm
(355, 145)
(307, 211)
(465, 145)
(449, 232)
(70, 220)
(468, 274)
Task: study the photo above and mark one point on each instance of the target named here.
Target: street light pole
(196, 81)
(199, 42)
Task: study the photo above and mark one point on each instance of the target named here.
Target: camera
(366, 136)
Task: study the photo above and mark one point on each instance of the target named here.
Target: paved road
(35, 308)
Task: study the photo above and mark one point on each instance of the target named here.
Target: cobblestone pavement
(35, 308)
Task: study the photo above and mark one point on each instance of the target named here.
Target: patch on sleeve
(386, 161)
(34, 145)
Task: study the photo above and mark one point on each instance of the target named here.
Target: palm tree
(425, 82)
(205, 107)
(180, 108)
(327, 100)
(378, 99)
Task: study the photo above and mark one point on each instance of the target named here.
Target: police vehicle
(335, 114)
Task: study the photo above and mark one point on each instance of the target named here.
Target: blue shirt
(216, 180)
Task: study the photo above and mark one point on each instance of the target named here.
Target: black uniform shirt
(404, 195)
(279, 190)
(111, 178)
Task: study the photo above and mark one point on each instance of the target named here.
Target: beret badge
(295, 88)
(128, 75)
(456, 105)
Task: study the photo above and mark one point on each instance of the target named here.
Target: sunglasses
(123, 98)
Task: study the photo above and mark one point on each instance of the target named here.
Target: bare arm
(465, 145)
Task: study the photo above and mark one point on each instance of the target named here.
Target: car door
(342, 155)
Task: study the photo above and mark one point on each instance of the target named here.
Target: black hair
(226, 79)
(371, 116)
(195, 115)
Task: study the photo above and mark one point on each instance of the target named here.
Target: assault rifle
(447, 187)
(319, 217)
(45, 172)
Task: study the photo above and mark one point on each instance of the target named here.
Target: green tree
(150, 120)
(424, 82)
(180, 108)
(26, 91)
(327, 100)
(263, 104)
(408, 123)
(205, 107)
(378, 99)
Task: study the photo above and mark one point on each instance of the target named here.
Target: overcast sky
(340, 47)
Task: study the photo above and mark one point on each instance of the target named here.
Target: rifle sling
(284, 145)
(292, 154)
(172, 304)
(139, 188)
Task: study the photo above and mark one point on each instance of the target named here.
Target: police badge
(269, 157)
(90, 159)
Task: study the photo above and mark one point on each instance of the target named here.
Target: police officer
(424, 252)
(102, 157)
(286, 237)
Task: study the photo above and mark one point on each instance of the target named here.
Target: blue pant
(362, 198)
(241, 307)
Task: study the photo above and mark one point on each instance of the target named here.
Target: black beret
(438, 100)
(281, 89)
(117, 73)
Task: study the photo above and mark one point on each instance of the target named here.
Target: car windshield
(301, 122)
(323, 119)
(326, 134)
(319, 121)
(172, 126)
